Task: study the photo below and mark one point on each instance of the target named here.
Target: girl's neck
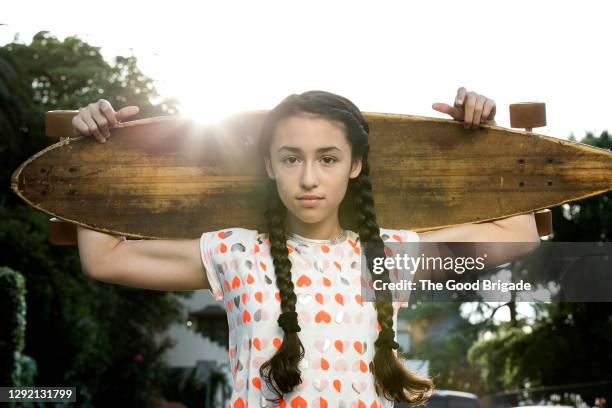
(340, 238)
(319, 231)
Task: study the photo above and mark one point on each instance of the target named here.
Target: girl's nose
(310, 178)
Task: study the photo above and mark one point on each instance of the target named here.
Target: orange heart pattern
(338, 327)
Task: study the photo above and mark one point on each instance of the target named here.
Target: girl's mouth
(309, 202)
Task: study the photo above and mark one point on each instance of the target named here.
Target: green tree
(443, 336)
(98, 337)
(569, 342)
(551, 352)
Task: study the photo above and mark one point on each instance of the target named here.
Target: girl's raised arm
(169, 265)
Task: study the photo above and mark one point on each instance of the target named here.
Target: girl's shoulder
(398, 235)
(232, 235)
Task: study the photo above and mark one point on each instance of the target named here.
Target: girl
(300, 333)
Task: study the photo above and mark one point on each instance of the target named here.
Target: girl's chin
(309, 216)
(310, 220)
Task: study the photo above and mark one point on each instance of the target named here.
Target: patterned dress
(338, 328)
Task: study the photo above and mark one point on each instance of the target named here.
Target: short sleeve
(222, 253)
(209, 244)
(409, 236)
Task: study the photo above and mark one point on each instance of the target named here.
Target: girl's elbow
(91, 273)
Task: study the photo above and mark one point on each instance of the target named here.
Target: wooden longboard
(169, 178)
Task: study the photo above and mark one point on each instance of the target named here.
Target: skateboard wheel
(527, 115)
(543, 220)
(58, 123)
(62, 232)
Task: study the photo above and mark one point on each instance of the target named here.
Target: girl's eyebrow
(297, 149)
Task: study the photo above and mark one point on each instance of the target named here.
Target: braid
(397, 383)
(281, 372)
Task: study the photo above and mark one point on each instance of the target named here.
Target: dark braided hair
(281, 372)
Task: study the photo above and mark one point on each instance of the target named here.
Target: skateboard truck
(529, 115)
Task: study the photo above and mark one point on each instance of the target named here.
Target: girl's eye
(293, 160)
(289, 158)
(329, 157)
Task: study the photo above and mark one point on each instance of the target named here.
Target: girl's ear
(269, 167)
(355, 168)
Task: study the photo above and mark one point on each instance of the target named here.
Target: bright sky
(224, 56)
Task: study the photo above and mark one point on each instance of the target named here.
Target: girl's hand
(98, 118)
(470, 107)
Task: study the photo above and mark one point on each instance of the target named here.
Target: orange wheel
(527, 115)
(62, 232)
(543, 220)
(58, 123)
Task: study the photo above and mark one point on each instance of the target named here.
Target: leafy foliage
(99, 337)
(16, 368)
(567, 344)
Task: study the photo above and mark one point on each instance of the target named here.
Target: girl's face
(310, 155)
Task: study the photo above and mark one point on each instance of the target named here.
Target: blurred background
(132, 347)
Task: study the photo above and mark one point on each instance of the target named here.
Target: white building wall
(191, 346)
